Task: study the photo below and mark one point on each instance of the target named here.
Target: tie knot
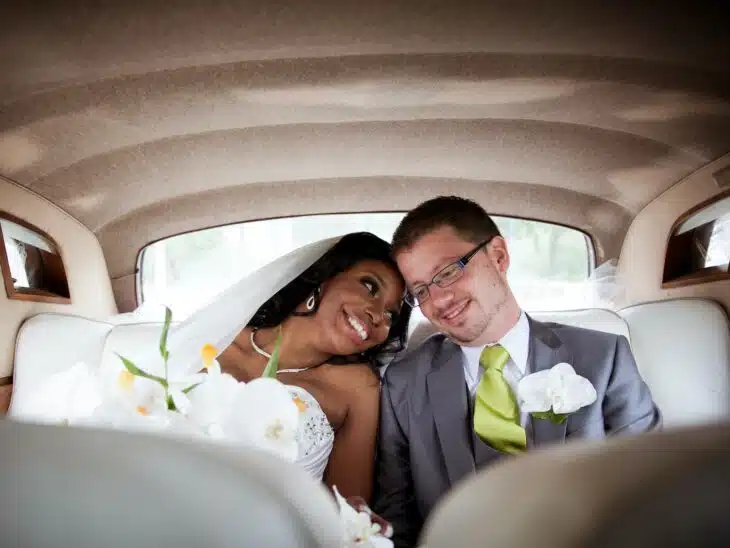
(494, 357)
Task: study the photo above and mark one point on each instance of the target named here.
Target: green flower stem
(273, 364)
(556, 418)
(164, 352)
(166, 356)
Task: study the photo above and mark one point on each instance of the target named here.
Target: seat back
(49, 343)
(84, 487)
(665, 489)
(682, 347)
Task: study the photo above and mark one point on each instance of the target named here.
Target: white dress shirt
(517, 342)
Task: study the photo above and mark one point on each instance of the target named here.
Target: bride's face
(358, 307)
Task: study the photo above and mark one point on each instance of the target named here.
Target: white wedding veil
(219, 321)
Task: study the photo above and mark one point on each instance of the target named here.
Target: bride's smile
(358, 326)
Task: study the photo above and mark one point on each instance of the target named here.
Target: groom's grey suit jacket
(426, 439)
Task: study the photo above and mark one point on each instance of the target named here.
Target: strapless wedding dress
(315, 436)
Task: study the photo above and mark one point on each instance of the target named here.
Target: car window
(698, 250)
(550, 264)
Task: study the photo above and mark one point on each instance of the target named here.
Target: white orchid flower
(81, 395)
(262, 413)
(178, 384)
(129, 400)
(212, 400)
(209, 353)
(135, 403)
(125, 395)
(559, 389)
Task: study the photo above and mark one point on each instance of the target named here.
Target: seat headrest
(87, 488)
(657, 489)
(49, 343)
(682, 347)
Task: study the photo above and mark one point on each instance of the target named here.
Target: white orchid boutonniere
(555, 393)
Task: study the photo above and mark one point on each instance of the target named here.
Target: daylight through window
(550, 264)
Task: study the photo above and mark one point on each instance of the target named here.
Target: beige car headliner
(148, 120)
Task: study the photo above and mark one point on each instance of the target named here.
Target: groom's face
(466, 309)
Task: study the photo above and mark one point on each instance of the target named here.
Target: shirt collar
(516, 341)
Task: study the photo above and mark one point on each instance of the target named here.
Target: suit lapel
(546, 349)
(448, 396)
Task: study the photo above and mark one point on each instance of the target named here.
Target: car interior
(153, 154)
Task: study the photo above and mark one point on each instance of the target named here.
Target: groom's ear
(499, 254)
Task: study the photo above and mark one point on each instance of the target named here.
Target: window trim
(139, 261)
(30, 294)
(706, 275)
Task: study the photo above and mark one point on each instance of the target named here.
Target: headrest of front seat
(666, 489)
(85, 488)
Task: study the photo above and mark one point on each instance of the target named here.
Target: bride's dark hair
(346, 253)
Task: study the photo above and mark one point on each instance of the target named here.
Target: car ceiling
(146, 120)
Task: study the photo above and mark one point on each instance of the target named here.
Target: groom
(449, 407)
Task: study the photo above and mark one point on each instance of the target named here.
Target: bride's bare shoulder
(359, 376)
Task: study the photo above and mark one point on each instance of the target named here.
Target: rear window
(550, 264)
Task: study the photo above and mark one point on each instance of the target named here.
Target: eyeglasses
(443, 278)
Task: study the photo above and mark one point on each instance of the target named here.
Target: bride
(339, 320)
(338, 305)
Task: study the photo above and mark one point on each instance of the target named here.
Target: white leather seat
(88, 488)
(665, 489)
(67, 340)
(49, 343)
(600, 319)
(682, 348)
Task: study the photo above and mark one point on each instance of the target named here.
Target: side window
(698, 250)
(550, 264)
(31, 263)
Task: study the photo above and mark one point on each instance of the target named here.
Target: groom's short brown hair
(466, 217)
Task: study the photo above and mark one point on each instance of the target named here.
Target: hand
(359, 504)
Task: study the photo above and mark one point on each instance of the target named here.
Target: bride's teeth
(357, 327)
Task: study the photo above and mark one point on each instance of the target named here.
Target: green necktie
(496, 414)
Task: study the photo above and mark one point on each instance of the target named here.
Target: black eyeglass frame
(460, 264)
